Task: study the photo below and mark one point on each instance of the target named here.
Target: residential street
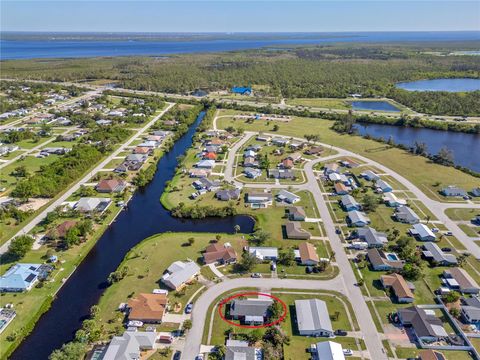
(27, 228)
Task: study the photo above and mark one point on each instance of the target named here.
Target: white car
(135, 323)
(347, 352)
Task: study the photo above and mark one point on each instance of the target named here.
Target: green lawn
(462, 214)
(321, 103)
(404, 353)
(415, 168)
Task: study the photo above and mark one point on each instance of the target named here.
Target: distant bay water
(32, 46)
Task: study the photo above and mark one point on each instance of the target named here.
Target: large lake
(449, 85)
(465, 147)
(49, 47)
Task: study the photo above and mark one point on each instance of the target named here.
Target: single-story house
(288, 197)
(241, 90)
(264, 253)
(179, 273)
(329, 350)
(147, 308)
(286, 164)
(261, 137)
(425, 324)
(111, 186)
(136, 158)
(281, 174)
(209, 156)
(383, 186)
(252, 173)
(314, 150)
(458, 279)
(238, 349)
(251, 311)
(92, 204)
(143, 150)
(207, 184)
(308, 254)
(331, 168)
(150, 144)
(406, 215)
(402, 290)
(259, 200)
(372, 237)
(296, 213)
(357, 218)
(453, 190)
(430, 354)
(383, 261)
(21, 277)
(198, 173)
(422, 232)
(349, 203)
(130, 345)
(340, 188)
(293, 230)
(217, 253)
(313, 318)
(227, 195)
(205, 164)
(370, 175)
(250, 162)
(393, 201)
(250, 153)
(433, 253)
(470, 310)
(294, 156)
(476, 191)
(280, 141)
(61, 230)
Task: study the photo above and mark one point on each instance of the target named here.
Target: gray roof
(20, 276)
(423, 321)
(240, 353)
(136, 157)
(356, 216)
(281, 173)
(312, 315)
(433, 251)
(382, 184)
(422, 231)
(471, 311)
(128, 346)
(228, 194)
(372, 237)
(179, 272)
(453, 191)
(348, 201)
(250, 307)
(404, 213)
(91, 204)
(288, 196)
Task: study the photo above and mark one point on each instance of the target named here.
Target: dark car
(446, 249)
(340, 332)
(177, 355)
(338, 231)
(308, 269)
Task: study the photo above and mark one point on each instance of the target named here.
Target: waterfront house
(458, 279)
(406, 215)
(179, 273)
(143, 150)
(259, 200)
(150, 144)
(313, 318)
(198, 173)
(92, 205)
(251, 311)
(372, 237)
(296, 213)
(264, 253)
(147, 308)
(453, 190)
(205, 164)
(21, 277)
(60, 231)
(433, 253)
(357, 218)
(130, 345)
(136, 158)
(422, 232)
(383, 261)
(294, 231)
(402, 290)
(221, 254)
(207, 184)
(229, 194)
(288, 197)
(426, 326)
(349, 203)
(111, 186)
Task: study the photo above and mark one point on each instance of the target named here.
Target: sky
(239, 16)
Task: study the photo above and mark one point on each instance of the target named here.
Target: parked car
(340, 332)
(188, 308)
(177, 355)
(308, 269)
(448, 233)
(347, 352)
(273, 266)
(199, 357)
(256, 275)
(135, 323)
(446, 249)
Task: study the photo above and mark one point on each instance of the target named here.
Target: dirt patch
(34, 204)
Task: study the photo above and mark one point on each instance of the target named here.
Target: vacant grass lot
(462, 214)
(320, 103)
(427, 176)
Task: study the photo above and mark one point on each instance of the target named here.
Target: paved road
(84, 180)
(199, 313)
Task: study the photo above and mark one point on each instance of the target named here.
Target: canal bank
(144, 217)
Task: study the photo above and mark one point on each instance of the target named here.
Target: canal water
(465, 147)
(145, 217)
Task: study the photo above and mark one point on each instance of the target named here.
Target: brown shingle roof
(147, 307)
(109, 185)
(61, 230)
(217, 252)
(398, 284)
(308, 252)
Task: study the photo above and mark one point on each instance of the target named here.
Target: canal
(145, 217)
(465, 147)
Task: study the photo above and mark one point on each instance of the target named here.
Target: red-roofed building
(286, 164)
(111, 185)
(217, 253)
(210, 156)
(142, 150)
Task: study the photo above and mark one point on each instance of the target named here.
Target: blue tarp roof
(241, 89)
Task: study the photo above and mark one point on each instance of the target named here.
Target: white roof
(330, 350)
(312, 315)
(422, 230)
(262, 252)
(179, 272)
(128, 346)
